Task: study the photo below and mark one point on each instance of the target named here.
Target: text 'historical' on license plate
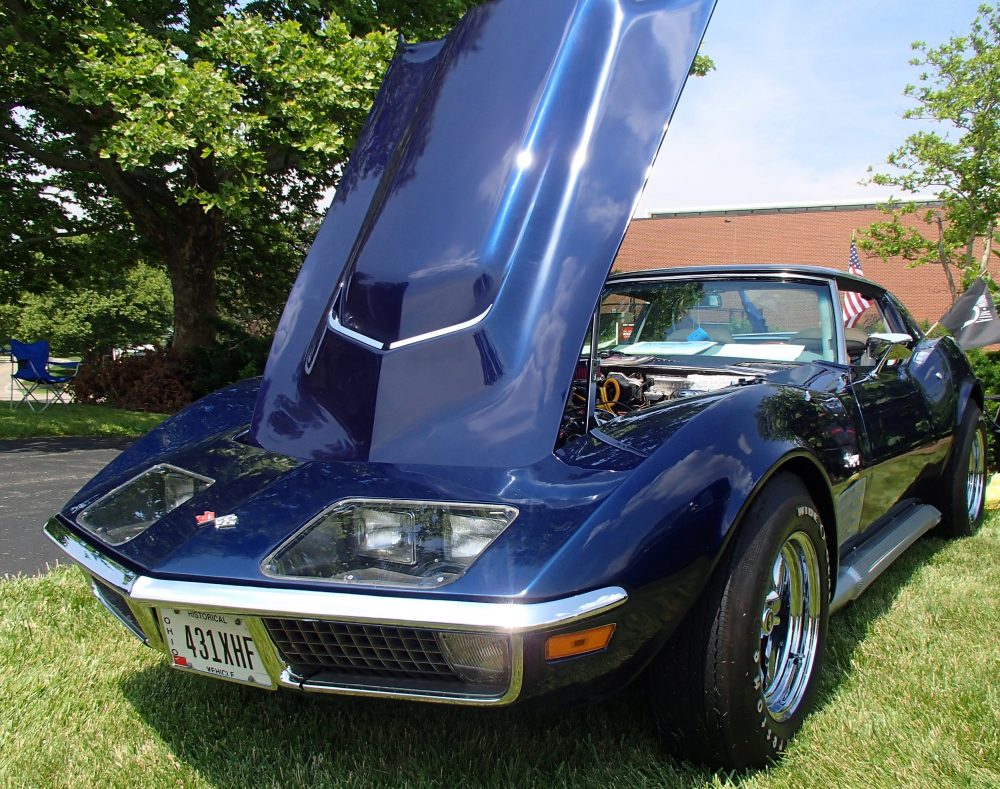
(215, 644)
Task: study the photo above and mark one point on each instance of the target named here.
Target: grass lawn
(910, 697)
(74, 420)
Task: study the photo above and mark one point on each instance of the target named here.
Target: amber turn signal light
(580, 643)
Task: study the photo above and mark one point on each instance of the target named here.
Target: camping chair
(35, 371)
(5, 357)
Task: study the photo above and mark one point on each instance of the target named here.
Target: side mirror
(888, 350)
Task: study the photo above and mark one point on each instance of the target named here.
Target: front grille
(311, 646)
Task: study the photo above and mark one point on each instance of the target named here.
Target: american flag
(854, 302)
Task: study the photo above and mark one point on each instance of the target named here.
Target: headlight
(129, 510)
(390, 543)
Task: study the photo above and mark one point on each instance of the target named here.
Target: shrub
(160, 382)
(236, 354)
(986, 366)
(152, 381)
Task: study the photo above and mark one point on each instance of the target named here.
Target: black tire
(710, 685)
(964, 482)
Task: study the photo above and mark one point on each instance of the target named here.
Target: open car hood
(442, 308)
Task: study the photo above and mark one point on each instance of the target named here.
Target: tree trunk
(188, 240)
(943, 258)
(191, 261)
(987, 245)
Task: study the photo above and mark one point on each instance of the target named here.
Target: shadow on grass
(850, 626)
(236, 736)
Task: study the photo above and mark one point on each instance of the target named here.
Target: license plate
(216, 644)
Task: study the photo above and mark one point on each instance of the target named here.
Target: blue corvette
(478, 470)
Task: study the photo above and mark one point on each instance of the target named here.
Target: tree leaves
(959, 91)
(126, 115)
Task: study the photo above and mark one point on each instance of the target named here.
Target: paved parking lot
(37, 476)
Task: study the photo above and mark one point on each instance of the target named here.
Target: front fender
(662, 532)
(224, 410)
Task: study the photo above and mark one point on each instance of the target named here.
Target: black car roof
(842, 278)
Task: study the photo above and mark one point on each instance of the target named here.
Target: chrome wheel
(975, 482)
(790, 626)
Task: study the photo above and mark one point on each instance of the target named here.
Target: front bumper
(134, 600)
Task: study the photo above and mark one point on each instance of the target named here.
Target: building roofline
(766, 270)
(789, 208)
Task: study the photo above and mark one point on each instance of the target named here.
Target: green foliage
(247, 88)
(162, 382)
(894, 239)
(187, 131)
(702, 65)
(416, 20)
(235, 356)
(957, 91)
(199, 136)
(986, 365)
(93, 317)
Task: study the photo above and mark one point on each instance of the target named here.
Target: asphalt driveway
(37, 476)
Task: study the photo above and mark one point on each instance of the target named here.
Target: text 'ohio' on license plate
(212, 643)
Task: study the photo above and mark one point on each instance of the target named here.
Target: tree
(185, 126)
(959, 90)
(196, 135)
(895, 238)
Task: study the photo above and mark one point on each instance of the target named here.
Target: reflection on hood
(442, 308)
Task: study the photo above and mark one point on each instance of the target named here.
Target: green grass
(74, 420)
(910, 697)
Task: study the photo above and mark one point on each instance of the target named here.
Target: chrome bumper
(144, 595)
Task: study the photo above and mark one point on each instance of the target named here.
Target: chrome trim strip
(508, 697)
(440, 332)
(337, 326)
(150, 624)
(93, 562)
(145, 595)
(839, 328)
(441, 614)
(266, 650)
(769, 274)
(860, 568)
(372, 609)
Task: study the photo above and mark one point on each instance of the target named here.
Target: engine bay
(624, 384)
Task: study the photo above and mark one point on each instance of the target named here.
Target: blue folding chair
(5, 352)
(35, 373)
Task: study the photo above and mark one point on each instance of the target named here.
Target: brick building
(814, 234)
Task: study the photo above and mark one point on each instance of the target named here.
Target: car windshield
(719, 322)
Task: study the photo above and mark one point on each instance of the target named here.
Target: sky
(805, 96)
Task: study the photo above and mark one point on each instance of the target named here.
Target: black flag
(973, 318)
